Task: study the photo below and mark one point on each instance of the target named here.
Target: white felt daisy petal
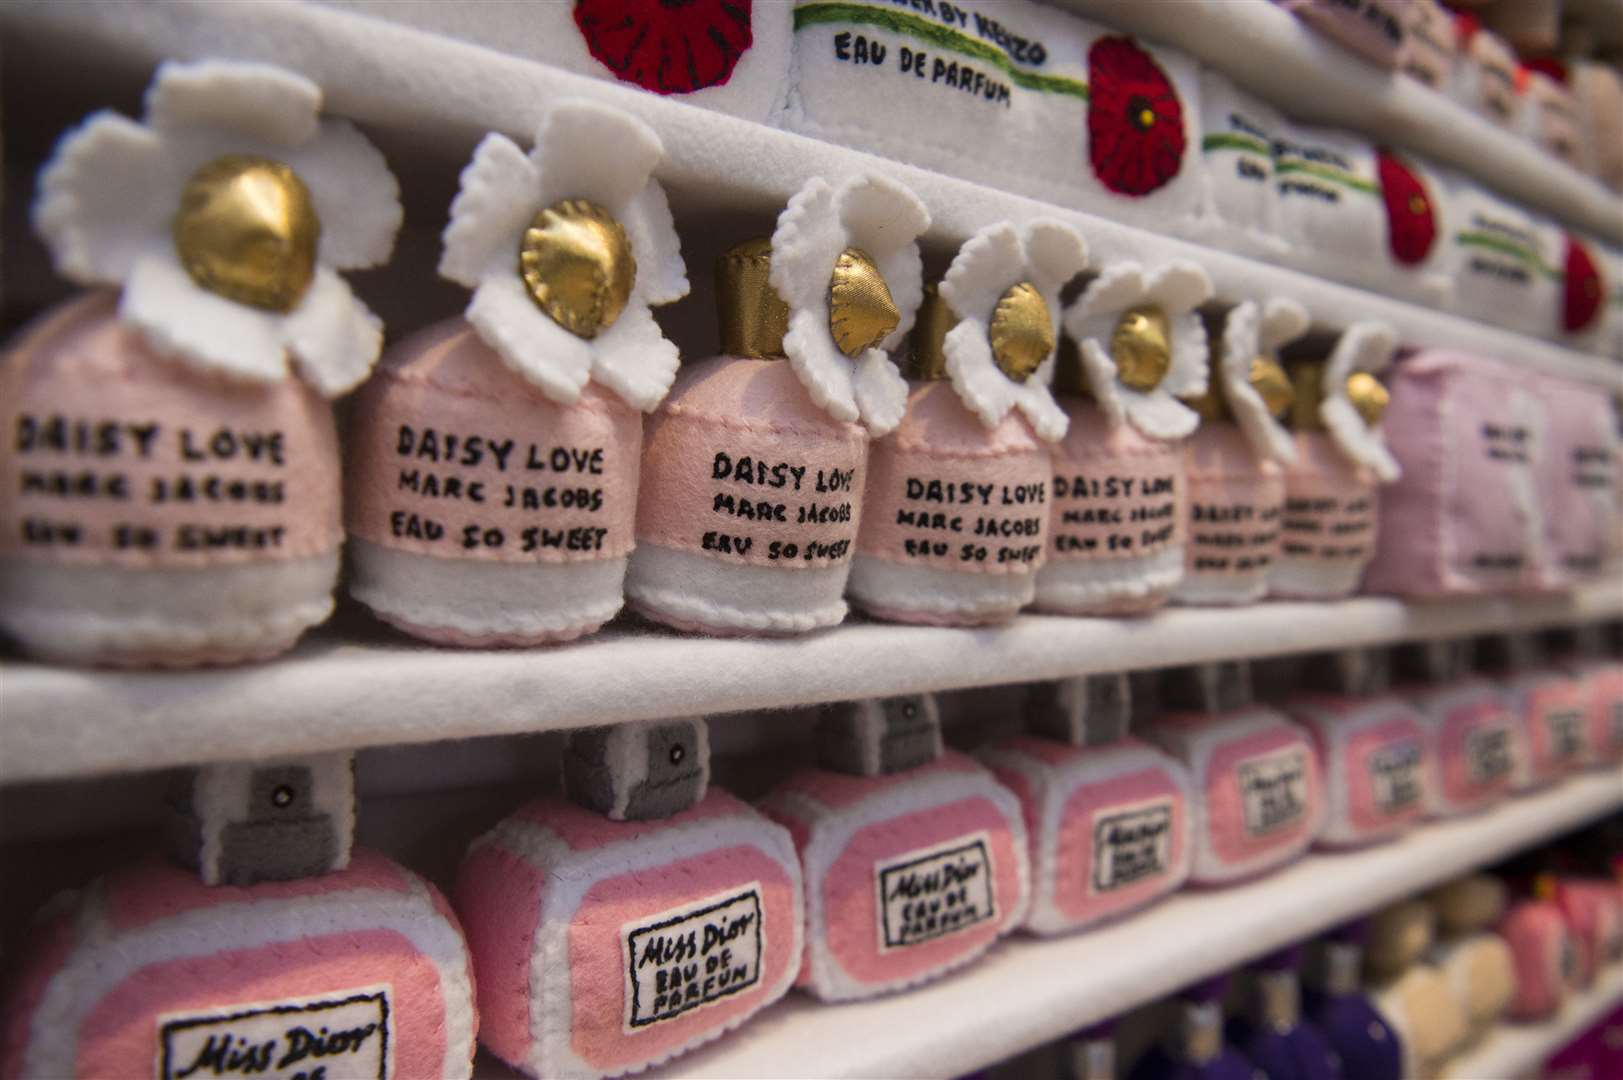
(822, 369)
(885, 220)
(662, 275)
(881, 392)
(1268, 438)
(634, 359)
(983, 270)
(1118, 287)
(105, 199)
(806, 243)
(258, 100)
(540, 350)
(1055, 253)
(1283, 321)
(1159, 415)
(1100, 370)
(1188, 375)
(1036, 402)
(585, 150)
(196, 327)
(497, 199)
(1178, 286)
(355, 195)
(983, 389)
(1363, 346)
(334, 337)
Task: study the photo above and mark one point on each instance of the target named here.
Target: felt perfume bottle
(914, 858)
(1372, 743)
(1107, 814)
(1271, 1030)
(493, 461)
(1475, 744)
(1593, 909)
(1334, 1000)
(1328, 526)
(753, 469)
(1545, 701)
(1258, 789)
(170, 489)
(1412, 996)
(1194, 1048)
(269, 946)
(1117, 534)
(1236, 488)
(1578, 481)
(955, 515)
(1582, 653)
(1089, 1054)
(635, 916)
(1475, 962)
(1546, 957)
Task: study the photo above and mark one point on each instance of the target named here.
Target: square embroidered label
(1130, 845)
(933, 892)
(1394, 772)
(1565, 725)
(337, 1035)
(692, 956)
(1487, 754)
(1273, 790)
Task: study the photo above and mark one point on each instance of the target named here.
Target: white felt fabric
(1550, 118)
(1485, 78)
(889, 588)
(1250, 332)
(1421, 1007)
(688, 589)
(221, 796)
(1501, 261)
(1081, 586)
(1362, 347)
(1239, 204)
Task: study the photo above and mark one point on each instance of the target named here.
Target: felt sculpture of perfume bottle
(1328, 527)
(1581, 652)
(635, 916)
(170, 486)
(1485, 72)
(493, 460)
(1475, 745)
(1594, 913)
(1108, 815)
(1089, 1054)
(271, 947)
(1578, 481)
(1362, 1039)
(955, 516)
(1236, 487)
(1428, 45)
(1475, 962)
(1413, 997)
(1117, 536)
(1372, 743)
(1273, 1033)
(914, 858)
(1545, 701)
(753, 469)
(1545, 954)
(1258, 789)
(1194, 1049)
(1374, 29)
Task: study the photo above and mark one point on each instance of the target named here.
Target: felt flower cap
(566, 249)
(1253, 384)
(1004, 286)
(1143, 344)
(1354, 399)
(225, 216)
(846, 262)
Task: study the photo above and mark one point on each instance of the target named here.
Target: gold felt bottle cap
(752, 315)
(577, 263)
(247, 230)
(861, 311)
(926, 361)
(1368, 396)
(1021, 332)
(1307, 384)
(1271, 383)
(1141, 346)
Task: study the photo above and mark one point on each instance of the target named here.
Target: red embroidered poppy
(1411, 224)
(667, 46)
(1584, 288)
(1135, 120)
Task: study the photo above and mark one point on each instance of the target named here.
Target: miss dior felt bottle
(914, 858)
(1117, 536)
(1600, 679)
(493, 461)
(1107, 814)
(632, 918)
(1194, 1048)
(1334, 1000)
(1546, 702)
(1271, 1030)
(170, 483)
(1477, 747)
(956, 510)
(279, 951)
(753, 469)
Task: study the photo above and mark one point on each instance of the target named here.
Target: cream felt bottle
(1476, 745)
(637, 914)
(1116, 539)
(280, 950)
(1476, 962)
(493, 461)
(955, 515)
(914, 857)
(753, 469)
(1107, 814)
(170, 486)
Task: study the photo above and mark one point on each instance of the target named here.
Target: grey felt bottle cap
(1353, 672)
(1437, 660)
(1090, 710)
(879, 735)
(638, 772)
(1220, 686)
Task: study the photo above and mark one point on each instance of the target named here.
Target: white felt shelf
(436, 89)
(362, 687)
(1271, 53)
(1517, 1050)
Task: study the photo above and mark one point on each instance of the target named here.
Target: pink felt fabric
(1595, 920)
(50, 942)
(790, 495)
(499, 895)
(1374, 29)
(447, 444)
(1545, 961)
(1602, 682)
(943, 485)
(1221, 790)
(1475, 743)
(583, 830)
(1577, 480)
(1234, 512)
(119, 457)
(1328, 525)
(837, 791)
(1549, 705)
(1359, 740)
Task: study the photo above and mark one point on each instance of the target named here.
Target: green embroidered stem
(1490, 242)
(1230, 141)
(1330, 173)
(943, 37)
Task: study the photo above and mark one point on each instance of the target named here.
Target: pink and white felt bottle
(1600, 680)
(914, 857)
(1372, 744)
(1545, 701)
(278, 951)
(1594, 914)
(1258, 786)
(1545, 955)
(492, 475)
(1108, 815)
(956, 511)
(1477, 747)
(637, 916)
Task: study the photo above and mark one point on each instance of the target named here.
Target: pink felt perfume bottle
(280, 950)
(1600, 678)
(753, 468)
(492, 475)
(1107, 814)
(1547, 966)
(1117, 534)
(1545, 701)
(955, 515)
(1476, 745)
(914, 858)
(1372, 743)
(638, 915)
(1259, 789)
(170, 486)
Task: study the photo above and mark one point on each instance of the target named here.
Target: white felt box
(1485, 76)
(1239, 205)
(1501, 260)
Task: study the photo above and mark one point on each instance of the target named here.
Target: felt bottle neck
(1199, 1035)
(1088, 711)
(1350, 672)
(926, 362)
(753, 318)
(640, 771)
(1307, 394)
(1213, 688)
(1343, 968)
(879, 737)
(1091, 1058)
(1437, 661)
(1507, 653)
(1277, 1004)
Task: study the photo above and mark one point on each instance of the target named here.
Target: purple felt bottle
(1273, 1034)
(1360, 1037)
(1194, 1049)
(1090, 1054)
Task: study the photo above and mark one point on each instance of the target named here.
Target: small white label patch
(1487, 753)
(1394, 772)
(343, 1035)
(1130, 845)
(1273, 790)
(1566, 728)
(692, 956)
(933, 892)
